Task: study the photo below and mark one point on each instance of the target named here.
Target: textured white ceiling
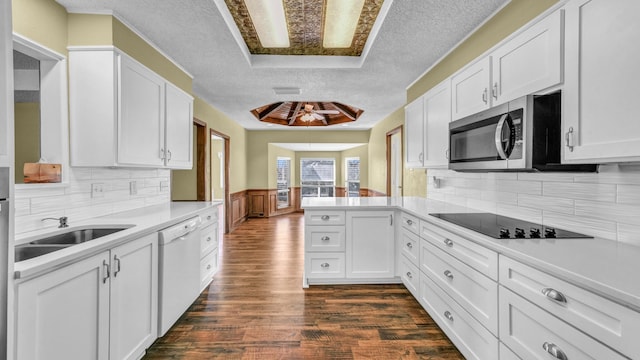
(413, 36)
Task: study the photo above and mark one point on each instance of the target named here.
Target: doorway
(219, 165)
(394, 162)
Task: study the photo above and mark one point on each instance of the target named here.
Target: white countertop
(143, 221)
(606, 267)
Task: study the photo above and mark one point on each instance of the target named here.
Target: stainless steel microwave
(521, 135)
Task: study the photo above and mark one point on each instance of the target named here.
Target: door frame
(227, 197)
(388, 140)
(201, 159)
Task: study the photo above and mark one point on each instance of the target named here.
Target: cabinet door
(437, 103)
(65, 314)
(529, 62)
(370, 244)
(602, 81)
(470, 89)
(134, 297)
(414, 132)
(141, 120)
(179, 128)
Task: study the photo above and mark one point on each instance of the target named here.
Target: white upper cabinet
(179, 134)
(470, 89)
(437, 103)
(123, 114)
(529, 62)
(414, 133)
(602, 81)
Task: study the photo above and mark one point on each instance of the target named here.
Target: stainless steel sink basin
(28, 251)
(76, 236)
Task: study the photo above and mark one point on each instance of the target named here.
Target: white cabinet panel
(437, 103)
(414, 133)
(532, 333)
(602, 81)
(410, 276)
(370, 244)
(179, 128)
(470, 89)
(65, 314)
(324, 238)
(410, 246)
(327, 217)
(324, 265)
(529, 62)
(410, 223)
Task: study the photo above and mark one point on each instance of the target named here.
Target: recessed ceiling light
(341, 20)
(286, 90)
(270, 23)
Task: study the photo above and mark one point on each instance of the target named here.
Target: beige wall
(43, 21)
(258, 148)
(27, 136)
(187, 179)
(378, 150)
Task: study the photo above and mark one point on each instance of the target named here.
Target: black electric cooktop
(503, 227)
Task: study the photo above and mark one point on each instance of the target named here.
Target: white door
(437, 105)
(370, 244)
(141, 120)
(178, 118)
(470, 89)
(414, 130)
(134, 297)
(396, 164)
(65, 314)
(602, 81)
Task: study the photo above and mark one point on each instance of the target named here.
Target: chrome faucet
(62, 220)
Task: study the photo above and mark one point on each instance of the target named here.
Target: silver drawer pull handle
(410, 245)
(209, 217)
(325, 217)
(324, 265)
(409, 222)
(554, 295)
(107, 271)
(409, 275)
(325, 238)
(448, 274)
(554, 351)
(448, 315)
(448, 242)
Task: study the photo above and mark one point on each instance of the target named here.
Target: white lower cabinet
(533, 333)
(410, 276)
(507, 354)
(103, 307)
(370, 250)
(209, 246)
(472, 339)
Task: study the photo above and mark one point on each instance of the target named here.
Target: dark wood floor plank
(256, 308)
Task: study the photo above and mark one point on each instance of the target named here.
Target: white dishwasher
(179, 275)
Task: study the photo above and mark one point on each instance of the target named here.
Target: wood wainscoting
(238, 209)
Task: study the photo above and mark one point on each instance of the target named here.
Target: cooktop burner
(503, 227)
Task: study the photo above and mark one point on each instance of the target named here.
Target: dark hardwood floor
(256, 308)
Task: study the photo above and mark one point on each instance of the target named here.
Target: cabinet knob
(554, 351)
(208, 238)
(409, 275)
(409, 222)
(410, 245)
(448, 242)
(325, 238)
(209, 217)
(554, 295)
(448, 315)
(324, 265)
(325, 217)
(448, 274)
(209, 267)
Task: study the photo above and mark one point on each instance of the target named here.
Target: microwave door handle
(498, 137)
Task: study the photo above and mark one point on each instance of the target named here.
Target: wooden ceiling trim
(295, 108)
(270, 109)
(346, 111)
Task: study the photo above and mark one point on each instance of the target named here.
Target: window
(352, 171)
(284, 175)
(317, 177)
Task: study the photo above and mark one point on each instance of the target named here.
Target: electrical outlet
(133, 188)
(164, 186)
(97, 190)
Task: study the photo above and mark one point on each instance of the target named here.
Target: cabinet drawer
(324, 217)
(410, 223)
(209, 216)
(475, 292)
(410, 276)
(533, 333)
(507, 354)
(410, 246)
(208, 267)
(611, 323)
(469, 336)
(324, 265)
(470, 253)
(208, 239)
(324, 238)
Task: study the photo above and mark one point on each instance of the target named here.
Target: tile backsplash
(74, 200)
(604, 204)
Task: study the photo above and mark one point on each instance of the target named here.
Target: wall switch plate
(164, 186)
(133, 188)
(97, 190)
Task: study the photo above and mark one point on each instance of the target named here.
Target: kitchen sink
(28, 251)
(77, 236)
(64, 238)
